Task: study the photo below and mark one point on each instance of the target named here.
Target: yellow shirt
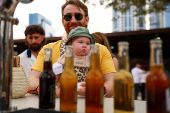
(106, 62)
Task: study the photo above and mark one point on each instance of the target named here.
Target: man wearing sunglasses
(74, 13)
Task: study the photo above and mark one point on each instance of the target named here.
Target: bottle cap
(69, 51)
(94, 48)
(123, 45)
(155, 43)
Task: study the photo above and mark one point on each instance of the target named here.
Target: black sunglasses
(68, 17)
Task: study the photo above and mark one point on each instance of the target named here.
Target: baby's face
(81, 46)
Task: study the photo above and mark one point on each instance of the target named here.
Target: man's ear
(26, 42)
(63, 21)
(42, 37)
(87, 20)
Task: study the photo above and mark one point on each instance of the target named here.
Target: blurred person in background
(137, 72)
(34, 39)
(102, 39)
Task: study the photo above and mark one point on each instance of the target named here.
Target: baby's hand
(57, 92)
(81, 88)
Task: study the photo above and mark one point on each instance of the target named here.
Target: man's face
(73, 23)
(81, 46)
(35, 41)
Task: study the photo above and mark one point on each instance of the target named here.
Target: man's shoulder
(101, 47)
(53, 44)
(23, 53)
(133, 69)
(136, 69)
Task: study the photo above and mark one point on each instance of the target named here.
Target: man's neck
(64, 37)
(35, 53)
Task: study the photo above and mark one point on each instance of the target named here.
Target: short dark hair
(31, 29)
(34, 29)
(78, 3)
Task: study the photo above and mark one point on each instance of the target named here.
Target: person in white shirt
(34, 39)
(143, 81)
(136, 72)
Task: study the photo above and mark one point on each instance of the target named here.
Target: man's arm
(145, 72)
(33, 79)
(108, 83)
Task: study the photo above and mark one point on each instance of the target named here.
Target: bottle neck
(47, 59)
(47, 65)
(123, 58)
(94, 62)
(69, 64)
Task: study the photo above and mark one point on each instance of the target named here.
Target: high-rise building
(167, 17)
(44, 22)
(157, 20)
(127, 21)
(160, 20)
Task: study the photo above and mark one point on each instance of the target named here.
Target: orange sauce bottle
(68, 84)
(157, 82)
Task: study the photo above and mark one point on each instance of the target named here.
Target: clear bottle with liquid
(157, 82)
(68, 84)
(94, 84)
(47, 83)
(123, 82)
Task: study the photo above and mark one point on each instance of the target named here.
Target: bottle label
(167, 99)
(52, 91)
(101, 95)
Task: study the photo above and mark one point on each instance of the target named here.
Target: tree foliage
(155, 6)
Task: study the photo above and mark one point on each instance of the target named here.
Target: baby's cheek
(77, 51)
(88, 49)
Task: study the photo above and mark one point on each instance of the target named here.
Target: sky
(100, 19)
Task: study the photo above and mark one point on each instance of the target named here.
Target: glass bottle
(123, 82)
(157, 82)
(68, 84)
(47, 83)
(94, 83)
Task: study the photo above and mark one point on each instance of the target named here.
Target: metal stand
(7, 8)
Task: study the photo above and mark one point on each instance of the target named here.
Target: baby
(80, 39)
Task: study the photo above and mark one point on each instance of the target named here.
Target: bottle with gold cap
(123, 82)
(47, 83)
(157, 82)
(94, 83)
(68, 84)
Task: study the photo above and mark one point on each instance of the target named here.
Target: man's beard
(35, 48)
